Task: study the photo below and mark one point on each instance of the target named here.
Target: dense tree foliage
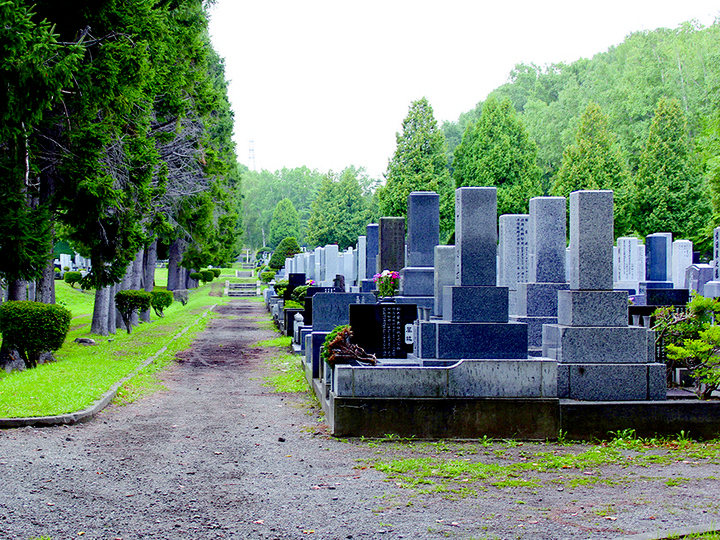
(287, 248)
(285, 222)
(339, 213)
(262, 192)
(418, 164)
(594, 162)
(670, 193)
(116, 131)
(627, 82)
(496, 151)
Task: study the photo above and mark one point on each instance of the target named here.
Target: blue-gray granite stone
(391, 241)
(415, 281)
(476, 236)
(547, 241)
(333, 309)
(423, 225)
(538, 299)
(593, 308)
(657, 252)
(481, 340)
(475, 304)
(371, 249)
(591, 240)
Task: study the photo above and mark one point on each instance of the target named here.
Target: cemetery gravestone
(391, 242)
(385, 330)
(600, 357)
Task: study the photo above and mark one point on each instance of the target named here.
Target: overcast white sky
(327, 83)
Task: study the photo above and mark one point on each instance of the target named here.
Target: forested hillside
(621, 92)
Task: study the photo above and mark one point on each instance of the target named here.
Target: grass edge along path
(88, 413)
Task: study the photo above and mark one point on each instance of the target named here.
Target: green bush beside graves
(160, 300)
(71, 278)
(33, 328)
(129, 302)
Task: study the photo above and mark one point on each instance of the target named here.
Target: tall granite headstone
(391, 244)
(475, 320)
(417, 278)
(600, 357)
(536, 302)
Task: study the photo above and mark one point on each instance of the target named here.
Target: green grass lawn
(83, 373)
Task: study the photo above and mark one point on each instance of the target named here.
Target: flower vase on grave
(388, 284)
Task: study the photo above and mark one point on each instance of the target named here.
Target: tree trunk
(149, 264)
(31, 288)
(17, 290)
(135, 282)
(175, 278)
(101, 312)
(112, 310)
(46, 284)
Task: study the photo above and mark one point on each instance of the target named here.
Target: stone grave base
(604, 382)
(490, 378)
(518, 418)
(463, 418)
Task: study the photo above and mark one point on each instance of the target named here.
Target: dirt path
(218, 456)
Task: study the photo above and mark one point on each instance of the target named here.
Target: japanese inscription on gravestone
(385, 330)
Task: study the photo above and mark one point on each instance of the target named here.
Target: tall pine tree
(670, 194)
(419, 164)
(497, 151)
(595, 162)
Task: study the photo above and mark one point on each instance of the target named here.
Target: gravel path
(219, 456)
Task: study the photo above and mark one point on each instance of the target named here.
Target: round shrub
(216, 271)
(267, 276)
(289, 247)
(33, 328)
(280, 286)
(71, 278)
(129, 302)
(160, 300)
(299, 293)
(207, 275)
(197, 276)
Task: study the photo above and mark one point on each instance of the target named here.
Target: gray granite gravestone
(391, 244)
(712, 288)
(475, 312)
(444, 274)
(537, 301)
(513, 254)
(600, 357)
(417, 278)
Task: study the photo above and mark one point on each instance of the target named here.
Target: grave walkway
(218, 455)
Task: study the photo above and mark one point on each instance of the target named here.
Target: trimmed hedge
(129, 302)
(160, 300)
(280, 286)
(216, 271)
(299, 293)
(197, 276)
(267, 276)
(33, 328)
(288, 248)
(207, 275)
(71, 278)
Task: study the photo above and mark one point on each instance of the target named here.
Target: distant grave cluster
(509, 332)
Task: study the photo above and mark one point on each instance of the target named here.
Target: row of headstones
(427, 267)
(595, 349)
